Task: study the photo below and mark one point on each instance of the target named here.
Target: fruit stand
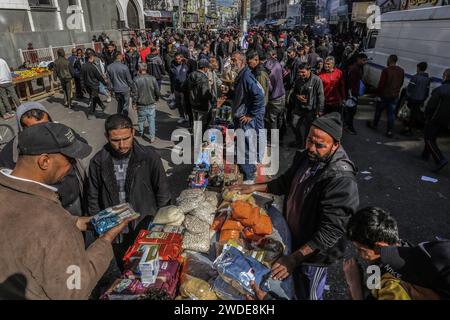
(23, 80)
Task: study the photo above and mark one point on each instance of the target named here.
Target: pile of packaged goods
(112, 217)
(208, 246)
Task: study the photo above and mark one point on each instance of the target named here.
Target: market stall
(27, 80)
(212, 243)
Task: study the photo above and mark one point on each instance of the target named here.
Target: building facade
(276, 9)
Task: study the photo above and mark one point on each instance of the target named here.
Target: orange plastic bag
(232, 224)
(250, 234)
(253, 218)
(218, 222)
(226, 235)
(264, 225)
(241, 209)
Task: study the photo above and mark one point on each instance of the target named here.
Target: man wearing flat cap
(41, 244)
(321, 194)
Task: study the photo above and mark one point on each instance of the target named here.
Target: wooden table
(47, 92)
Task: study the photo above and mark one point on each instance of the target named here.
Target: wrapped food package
(250, 234)
(212, 198)
(111, 217)
(147, 237)
(190, 199)
(204, 212)
(167, 228)
(225, 291)
(233, 195)
(264, 225)
(196, 289)
(149, 264)
(239, 270)
(242, 210)
(226, 235)
(218, 222)
(169, 215)
(195, 225)
(232, 224)
(197, 242)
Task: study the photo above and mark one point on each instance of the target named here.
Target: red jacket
(333, 87)
(144, 53)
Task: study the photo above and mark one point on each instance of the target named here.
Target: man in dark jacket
(417, 92)
(91, 79)
(248, 111)
(121, 83)
(124, 171)
(132, 61)
(63, 70)
(178, 76)
(276, 108)
(155, 66)
(292, 68)
(199, 92)
(355, 75)
(77, 66)
(306, 103)
(321, 195)
(437, 118)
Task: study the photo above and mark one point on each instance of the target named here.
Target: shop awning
(279, 22)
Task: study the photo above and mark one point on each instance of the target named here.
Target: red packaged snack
(147, 237)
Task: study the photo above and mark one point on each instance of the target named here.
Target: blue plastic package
(239, 270)
(225, 291)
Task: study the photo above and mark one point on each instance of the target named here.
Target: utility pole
(244, 22)
(180, 14)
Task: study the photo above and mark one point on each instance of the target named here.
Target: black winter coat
(147, 188)
(438, 106)
(329, 201)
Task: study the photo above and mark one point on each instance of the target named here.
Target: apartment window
(41, 3)
(73, 2)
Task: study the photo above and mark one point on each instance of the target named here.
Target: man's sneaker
(248, 182)
(108, 99)
(152, 140)
(181, 121)
(389, 134)
(441, 165)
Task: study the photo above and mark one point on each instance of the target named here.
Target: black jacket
(438, 106)
(91, 76)
(155, 66)
(199, 91)
(329, 200)
(147, 188)
(312, 88)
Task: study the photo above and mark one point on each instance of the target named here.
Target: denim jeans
(254, 145)
(147, 113)
(102, 90)
(389, 105)
(123, 102)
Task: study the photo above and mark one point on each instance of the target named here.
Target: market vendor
(321, 195)
(41, 244)
(125, 171)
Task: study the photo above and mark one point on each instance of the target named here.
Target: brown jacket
(391, 82)
(40, 244)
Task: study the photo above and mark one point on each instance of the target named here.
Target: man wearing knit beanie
(321, 195)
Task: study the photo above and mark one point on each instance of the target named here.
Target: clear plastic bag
(195, 225)
(168, 215)
(196, 289)
(190, 199)
(204, 212)
(197, 242)
(224, 291)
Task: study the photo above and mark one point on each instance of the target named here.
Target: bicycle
(6, 134)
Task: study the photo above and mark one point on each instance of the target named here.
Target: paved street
(394, 182)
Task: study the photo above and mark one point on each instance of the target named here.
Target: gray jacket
(147, 90)
(119, 77)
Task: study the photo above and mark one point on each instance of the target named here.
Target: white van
(414, 36)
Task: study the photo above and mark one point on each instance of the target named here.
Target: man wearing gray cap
(321, 195)
(41, 244)
(70, 189)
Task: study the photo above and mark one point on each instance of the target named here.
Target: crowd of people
(277, 80)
